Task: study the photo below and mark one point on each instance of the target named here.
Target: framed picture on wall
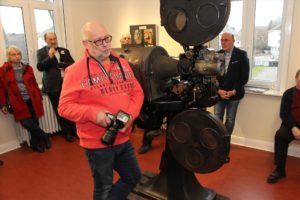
(143, 35)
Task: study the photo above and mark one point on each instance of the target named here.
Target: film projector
(181, 90)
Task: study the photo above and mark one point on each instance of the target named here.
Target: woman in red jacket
(18, 86)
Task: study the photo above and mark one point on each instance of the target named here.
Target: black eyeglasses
(106, 39)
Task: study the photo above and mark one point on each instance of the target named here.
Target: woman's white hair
(10, 49)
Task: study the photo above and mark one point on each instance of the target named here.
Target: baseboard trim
(294, 149)
(9, 146)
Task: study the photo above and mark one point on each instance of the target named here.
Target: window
(24, 23)
(234, 23)
(263, 31)
(266, 44)
(14, 35)
(44, 23)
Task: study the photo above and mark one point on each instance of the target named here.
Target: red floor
(62, 173)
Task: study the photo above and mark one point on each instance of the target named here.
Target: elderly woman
(18, 86)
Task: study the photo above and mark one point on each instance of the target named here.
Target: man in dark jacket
(232, 83)
(52, 60)
(289, 129)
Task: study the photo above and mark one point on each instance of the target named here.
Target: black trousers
(283, 138)
(147, 141)
(37, 135)
(67, 126)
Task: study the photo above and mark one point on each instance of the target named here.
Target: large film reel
(196, 139)
(194, 22)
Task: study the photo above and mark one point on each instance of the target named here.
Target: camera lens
(117, 123)
(109, 136)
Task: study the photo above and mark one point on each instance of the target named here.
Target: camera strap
(107, 74)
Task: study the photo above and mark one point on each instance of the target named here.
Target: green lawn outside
(257, 69)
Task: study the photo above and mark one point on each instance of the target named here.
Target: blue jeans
(103, 161)
(231, 110)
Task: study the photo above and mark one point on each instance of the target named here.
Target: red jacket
(8, 81)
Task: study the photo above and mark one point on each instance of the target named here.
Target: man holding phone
(52, 61)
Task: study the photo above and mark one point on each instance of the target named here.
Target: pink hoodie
(80, 102)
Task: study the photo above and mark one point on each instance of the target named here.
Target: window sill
(263, 91)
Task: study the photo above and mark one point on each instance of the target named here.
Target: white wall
(8, 138)
(117, 16)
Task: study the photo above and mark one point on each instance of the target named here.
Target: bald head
(227, 34)
(92, 30)
(227, 41)
(92, 33)
(51, 39)
(49, 34)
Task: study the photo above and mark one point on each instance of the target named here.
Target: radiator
(48, 122)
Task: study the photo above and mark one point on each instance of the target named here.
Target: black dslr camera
(117, 122)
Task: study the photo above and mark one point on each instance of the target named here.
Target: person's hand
(4, 110)
(223, 94)
(51, 52)
(231, 93)
(296, 132)
(61, 65)
(102, 119)
(127, 125)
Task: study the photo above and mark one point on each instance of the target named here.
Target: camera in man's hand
(9, 108)
(117, 123)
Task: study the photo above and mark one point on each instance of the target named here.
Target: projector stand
(172, 183)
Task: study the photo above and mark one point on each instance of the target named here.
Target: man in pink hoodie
(97, 85)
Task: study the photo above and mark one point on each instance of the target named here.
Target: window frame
(247, 43)
(28, 7)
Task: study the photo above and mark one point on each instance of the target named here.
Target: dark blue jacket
(237, 74)
(52, 80)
